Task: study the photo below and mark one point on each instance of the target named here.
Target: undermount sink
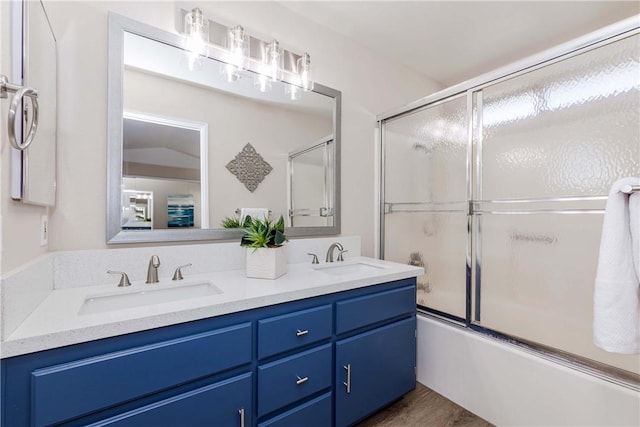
(346, 267)
(142, 295)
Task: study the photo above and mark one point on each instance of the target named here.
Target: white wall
(20, 226)
(508, 386)
(369, 85)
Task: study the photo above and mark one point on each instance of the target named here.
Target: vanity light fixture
(274, 61)
(304, 72)
(196, 31)
(238, 48)
(237, 51)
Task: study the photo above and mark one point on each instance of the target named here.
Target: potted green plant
(264, 240)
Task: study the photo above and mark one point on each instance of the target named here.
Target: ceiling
(453, 41)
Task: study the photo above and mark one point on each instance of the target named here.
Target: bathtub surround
(25, 288)
(616, 309)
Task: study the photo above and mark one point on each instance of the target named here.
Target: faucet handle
(177, 275)
(314, 260)
(124, 279)
(340, 257)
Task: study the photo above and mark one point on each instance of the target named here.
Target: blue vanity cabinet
(278, 366)
(135, 379)
(376, 365)
(226, 403)
(296, 364)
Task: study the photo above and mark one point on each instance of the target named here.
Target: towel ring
(19, 93)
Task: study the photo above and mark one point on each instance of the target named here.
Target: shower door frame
(607, 35)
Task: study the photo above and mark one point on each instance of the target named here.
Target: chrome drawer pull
(302, 380)
(241, 412)
(300, 333)
(348, 383)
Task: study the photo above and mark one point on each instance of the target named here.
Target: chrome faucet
(152, 272)
(329, 257)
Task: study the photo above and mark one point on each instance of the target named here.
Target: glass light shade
(238, 46)
(196, 31)
(274, 61)
(304, 72)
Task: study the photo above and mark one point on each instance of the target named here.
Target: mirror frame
(118, 25)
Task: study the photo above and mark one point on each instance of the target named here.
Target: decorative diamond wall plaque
(249, 167)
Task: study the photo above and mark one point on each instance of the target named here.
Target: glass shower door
(425, 193)
(551, 142)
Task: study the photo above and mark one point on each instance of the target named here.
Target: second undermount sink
(349, 267)
(141, 295)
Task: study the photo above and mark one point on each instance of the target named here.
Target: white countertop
(56, 322)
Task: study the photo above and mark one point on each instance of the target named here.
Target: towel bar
(630, 188)
(19, 93)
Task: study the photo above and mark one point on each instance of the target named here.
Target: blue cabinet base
(274, 366)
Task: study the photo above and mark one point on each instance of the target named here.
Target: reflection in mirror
(137, 210)
(165, 156)
(205, 147)
(310, 185)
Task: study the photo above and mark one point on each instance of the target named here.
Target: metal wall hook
(19, 93)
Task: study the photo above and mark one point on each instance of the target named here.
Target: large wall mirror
(188, 150)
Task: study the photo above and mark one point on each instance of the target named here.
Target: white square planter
(266, 263)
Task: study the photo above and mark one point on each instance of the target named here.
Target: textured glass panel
(570, 128)
(438, 242)
(538, 275)
(426, 154)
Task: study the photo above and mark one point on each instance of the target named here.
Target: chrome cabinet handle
(301, 380)
(241, 412)
(300, 333)
(348, 383)
(19, 93)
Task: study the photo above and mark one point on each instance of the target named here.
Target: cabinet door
(226, 403)
(373, 369)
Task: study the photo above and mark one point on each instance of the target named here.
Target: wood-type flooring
(424, 407)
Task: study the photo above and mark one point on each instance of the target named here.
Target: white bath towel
(616, 300)
(255, 213)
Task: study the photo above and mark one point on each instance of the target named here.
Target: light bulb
(196, 31)
(304, 72)
(238, 46)
(274, 60)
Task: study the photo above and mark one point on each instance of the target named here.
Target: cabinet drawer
(98, 382)
(314, 413)
(358, 312)
(219, 404)
(282, 333)
(293, 378)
